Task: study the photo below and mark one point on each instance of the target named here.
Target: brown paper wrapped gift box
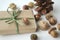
(11, 28)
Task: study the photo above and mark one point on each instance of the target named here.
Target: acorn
(37, 16)
(53, 32)
(34, 37)
(58, 26)
(25, 7)
(52, 21)
(48, 16)
(26, 21)
(12, 6)
(31, 4)
(43, 25)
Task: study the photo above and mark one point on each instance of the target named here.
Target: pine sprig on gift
(44, 6)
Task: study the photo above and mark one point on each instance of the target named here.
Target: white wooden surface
(43, 35)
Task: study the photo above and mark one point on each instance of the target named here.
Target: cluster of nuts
(44, 6)
(43, 25)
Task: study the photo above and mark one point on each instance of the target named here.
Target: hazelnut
(31, 4)
(43, 11)
(37, 16)
(12, 6)
(53, 32)
(25, 7)
(44, 3)
(49, 9)
(34, 37)
(58, 26)
(48, 16)
(38, 4)
(52, 21)
(43, 25)
(26, 21)
(51, 29)
(38, 9)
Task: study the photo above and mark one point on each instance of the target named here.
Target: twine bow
(13, 18)
(14, 14)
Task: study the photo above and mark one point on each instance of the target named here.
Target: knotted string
(13, 18)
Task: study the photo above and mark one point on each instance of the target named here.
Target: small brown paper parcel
(6, 29)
